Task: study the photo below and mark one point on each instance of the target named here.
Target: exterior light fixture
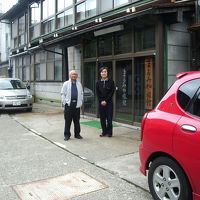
(128, 10)
(133, 9)
(98, 20)
(25, 48)
(40, 40)
(29, 44)
(17, 50)
(55, 35)
(74, 27)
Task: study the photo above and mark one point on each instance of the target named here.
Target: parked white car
(14, 95)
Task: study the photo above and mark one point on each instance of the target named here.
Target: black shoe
(66, 138)
(78, 137)
(102, 135)
(109, 135)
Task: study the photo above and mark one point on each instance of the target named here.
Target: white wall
(47, 91)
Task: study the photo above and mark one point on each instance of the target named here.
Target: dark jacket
(105, 90)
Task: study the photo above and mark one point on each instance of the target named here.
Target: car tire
(29, 109)
(167, 180)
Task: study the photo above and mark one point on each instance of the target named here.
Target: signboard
(148, 83)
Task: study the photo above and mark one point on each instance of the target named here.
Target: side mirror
(28, 87)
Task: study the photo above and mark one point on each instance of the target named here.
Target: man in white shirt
(72, 99)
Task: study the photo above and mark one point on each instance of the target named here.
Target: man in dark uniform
(105, 89)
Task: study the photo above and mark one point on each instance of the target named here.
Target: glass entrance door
(123, 81)
(89, 87)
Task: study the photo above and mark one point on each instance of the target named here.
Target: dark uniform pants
(106, 116)
(72, 113)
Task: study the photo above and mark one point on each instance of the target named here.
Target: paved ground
(117, 155)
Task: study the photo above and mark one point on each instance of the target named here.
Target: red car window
(186, 92)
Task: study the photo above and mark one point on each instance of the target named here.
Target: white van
(14, 95)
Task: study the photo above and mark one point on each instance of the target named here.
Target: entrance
(123, 81)
(134, 87)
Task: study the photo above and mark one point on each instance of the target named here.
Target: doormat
(62, 187)
(94, 124)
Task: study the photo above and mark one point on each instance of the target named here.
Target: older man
(72, 99)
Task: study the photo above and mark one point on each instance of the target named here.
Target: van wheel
(167, 180)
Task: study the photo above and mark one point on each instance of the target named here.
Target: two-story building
(4, 43)
(144, 43)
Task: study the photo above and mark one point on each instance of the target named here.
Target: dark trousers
(72, 113)
(106, 116)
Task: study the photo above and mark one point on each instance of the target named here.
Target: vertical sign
(124, 90)
(148, 83)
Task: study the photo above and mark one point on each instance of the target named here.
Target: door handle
(188, 127)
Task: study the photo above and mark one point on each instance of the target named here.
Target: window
(48, 25)
(48, 65)
(65, 18)
(40, 66)
(50, 70)
(35, 31)
(105, 5)
(90, 8)
(69, 17)
(48, 8)
(58, 65)
(80, 12)
(60, 20)
(196, 107)
(58, 70)
(15, 42)
(14, 28)
(123, 43)
(118, 3)
(85, 9)
(62, 4)
(21, 25)
(186, 92)
(145, 39)
(90, 48)
(35, 13)
(105, 45)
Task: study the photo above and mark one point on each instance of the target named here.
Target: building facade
(144, 43)
(5, 39)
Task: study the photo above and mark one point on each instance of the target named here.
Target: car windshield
(11, 84)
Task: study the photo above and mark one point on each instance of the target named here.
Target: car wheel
(29, 109)
(167, 181)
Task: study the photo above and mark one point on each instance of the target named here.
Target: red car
(170, 142)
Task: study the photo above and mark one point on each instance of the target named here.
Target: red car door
(186, 145)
